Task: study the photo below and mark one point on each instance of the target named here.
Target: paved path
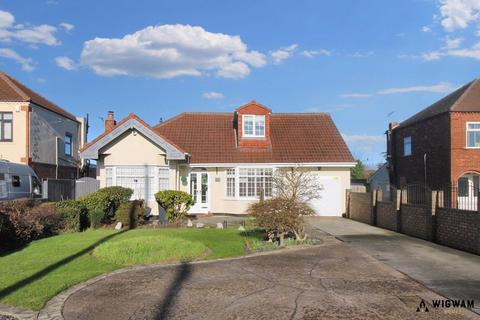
(452, 273)
(332, 281)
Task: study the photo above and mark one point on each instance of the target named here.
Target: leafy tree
(358, 172)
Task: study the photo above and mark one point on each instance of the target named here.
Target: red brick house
(440, 145)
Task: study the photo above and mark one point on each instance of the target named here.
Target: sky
(367, 63)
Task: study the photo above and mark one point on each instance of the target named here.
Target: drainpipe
(425, 168)
(56, 157)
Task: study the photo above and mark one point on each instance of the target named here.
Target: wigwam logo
(446, 303)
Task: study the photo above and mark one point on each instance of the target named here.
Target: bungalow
(224, 160)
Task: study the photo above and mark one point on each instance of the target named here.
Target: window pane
(463, 187)
(7, 131)
(474, 126)
(248, 125)
(260, 126)
(407, 146)
(7, 116)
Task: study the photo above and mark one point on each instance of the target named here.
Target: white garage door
(330, 201)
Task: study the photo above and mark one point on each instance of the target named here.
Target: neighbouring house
(37, 132)
(380, 180)
(224, 160)
(440, 145)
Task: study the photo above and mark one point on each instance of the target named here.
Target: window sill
(472, 148)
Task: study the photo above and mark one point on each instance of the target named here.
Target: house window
(251, 182)
(163, 179)
(231, 182)
(407, 146)
(6, 126)
(254, 126)
(473, 134)
(68, 145)
(109, 177)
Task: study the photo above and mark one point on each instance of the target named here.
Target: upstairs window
(6, 126)
(68, 145)
(254, 126)
(407, 146)
(473, 134)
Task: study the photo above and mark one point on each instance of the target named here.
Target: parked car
(18, 181)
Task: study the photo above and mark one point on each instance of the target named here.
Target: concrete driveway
(452, 273)
(330, 281)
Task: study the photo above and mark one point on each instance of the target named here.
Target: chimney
(110, 121)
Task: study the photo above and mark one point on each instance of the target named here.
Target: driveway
(330, 281)
(452, 273)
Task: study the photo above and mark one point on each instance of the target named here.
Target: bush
(74, 213)
(280, 216)
(175, 203)
(107, 200)
(130, 213)
(96, 218)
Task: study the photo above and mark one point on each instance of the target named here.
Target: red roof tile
(295, 138)
(13, 90)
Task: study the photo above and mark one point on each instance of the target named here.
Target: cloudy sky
(367, 63)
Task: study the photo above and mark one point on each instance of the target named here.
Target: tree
(296, 184)
(358, 171)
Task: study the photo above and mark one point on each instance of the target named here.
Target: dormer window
(254, 126)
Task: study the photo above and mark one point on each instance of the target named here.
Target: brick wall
(459, 229)
(417, 221)
(387, 216)
(360, 207)
(463, 160)
(253, 108)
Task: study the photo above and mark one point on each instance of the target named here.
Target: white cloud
(313, 53)
(452, 43)
(27, 63)
(458, 14)
(442, 87)
(169, 51)
(41, 34)
(365, 146)
(65, 63)
(426, 29)
(356, 95)
(212, 95)
(433, 55)
(67, 26)
(283, 53)
(359, 54)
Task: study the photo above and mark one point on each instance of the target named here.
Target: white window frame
(156, 177)
(469, 130)
(256, 118)
(237, 183)
(404, 143)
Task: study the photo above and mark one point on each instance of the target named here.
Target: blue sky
(367, 63)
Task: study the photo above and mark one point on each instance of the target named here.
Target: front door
(199, 191)
(468, 186)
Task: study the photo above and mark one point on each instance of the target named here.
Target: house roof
(295, 138)
(464, 99)
(90, 150)
(13, 90)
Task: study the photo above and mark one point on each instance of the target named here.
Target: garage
(329, 202)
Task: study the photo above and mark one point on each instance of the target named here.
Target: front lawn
(35, 274)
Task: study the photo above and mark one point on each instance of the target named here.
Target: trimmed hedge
(130, 214)
(96, 218)
(106, 200)
(175, 203)
(75, 215)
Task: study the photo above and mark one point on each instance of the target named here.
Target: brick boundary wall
(459, 229)
(417, 221)
(387, 216)
(361, 207)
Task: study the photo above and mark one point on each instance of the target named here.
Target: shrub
(96, 217)
(280, 216)
(48, 218)
(175, 203)
(130, 213)
(107, 200)
(74, 213)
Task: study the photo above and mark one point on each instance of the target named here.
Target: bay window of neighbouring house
(249, 182)
(254, 126)
(145, 181)
(473, 135)
(407, 146)
(6, 126)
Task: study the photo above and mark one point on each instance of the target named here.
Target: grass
(32, 276)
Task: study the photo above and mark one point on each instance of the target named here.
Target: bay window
(249, 182)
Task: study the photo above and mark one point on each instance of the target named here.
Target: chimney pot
(110, 121)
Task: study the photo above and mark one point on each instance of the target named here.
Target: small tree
(175, 203)
(280, 216)
(358, 172)
(296, 184)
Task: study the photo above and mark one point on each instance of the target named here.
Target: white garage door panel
(330, 200)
